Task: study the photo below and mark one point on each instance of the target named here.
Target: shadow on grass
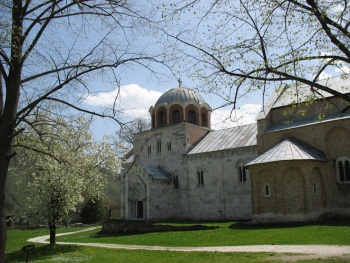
(255, 226)
(131, 230)
(40, 253)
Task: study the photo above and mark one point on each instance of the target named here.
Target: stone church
(293, 164)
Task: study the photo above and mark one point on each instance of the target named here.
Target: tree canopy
(56, 51)
(61, 166)
(237, 47)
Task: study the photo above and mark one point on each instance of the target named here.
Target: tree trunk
(2, 213)
(6, 131)
(52, 234)
(5, 147)
(8, 117)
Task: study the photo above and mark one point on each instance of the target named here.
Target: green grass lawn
(231, 234)
(331, 232)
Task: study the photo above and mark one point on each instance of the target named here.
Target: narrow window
(200, 177)
(162, 118)
(242, 174)
(315, 188)
(343, 169)
(169, 146)
(266, 190)
(204, 119)
(176, 116)
(149, 150)
(192, 117)
(347, 170)
(176, 181)
(159, 146)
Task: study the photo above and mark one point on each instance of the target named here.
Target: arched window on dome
(192, 117)
(162, 118)
(153, 121)
(204, 119)
(176, 116)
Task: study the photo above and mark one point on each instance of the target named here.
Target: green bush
(92, 212)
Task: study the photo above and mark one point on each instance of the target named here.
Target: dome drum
(180, 105)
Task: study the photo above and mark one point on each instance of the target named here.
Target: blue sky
(134, 101)
(139, 90)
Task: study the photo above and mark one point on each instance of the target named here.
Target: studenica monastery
(293, 164)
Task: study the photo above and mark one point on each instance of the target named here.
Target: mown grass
(336, 232)
(16, 239)
(332, 232)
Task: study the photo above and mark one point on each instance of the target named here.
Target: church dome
(180, 94)
(180, 105)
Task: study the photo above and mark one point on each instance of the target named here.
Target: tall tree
(61, 165)
(51, 51)
(237, 47)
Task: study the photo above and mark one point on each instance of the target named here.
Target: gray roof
(236, 137)
(130, 159)
(307, 121)
(156, 173)
(180, 94)
(286, 95)
(289, 150)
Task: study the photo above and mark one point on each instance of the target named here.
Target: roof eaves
(290, 149)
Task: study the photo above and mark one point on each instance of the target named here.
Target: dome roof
(180, 94)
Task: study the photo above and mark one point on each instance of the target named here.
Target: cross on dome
(180, 82)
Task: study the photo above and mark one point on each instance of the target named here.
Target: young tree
(50, 51)
(243, 46)
(62, 165)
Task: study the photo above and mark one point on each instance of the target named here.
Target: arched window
(176, 116)
(162, 116)
(204, 119)
(343, 169)
(159, 146)
(266, 190)
(192, 117)
(200, 178)
(314, 188)
(176, 181)
(242, 174)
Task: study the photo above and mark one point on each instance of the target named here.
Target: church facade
(303, 168)
(181, 169)
(293, 164)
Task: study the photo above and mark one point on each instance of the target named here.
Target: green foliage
(92, 211)
(239, 47)
(60, 165)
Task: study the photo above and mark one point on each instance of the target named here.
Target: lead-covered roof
(236, 137)
(290, 149)
(180, 94)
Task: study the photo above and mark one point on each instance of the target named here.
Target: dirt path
(298, 252)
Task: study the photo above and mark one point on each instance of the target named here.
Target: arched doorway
(137, 201)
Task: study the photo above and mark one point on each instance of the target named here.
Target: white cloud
(343, 69)
(133, 100)
(226, 118)
(324, 75)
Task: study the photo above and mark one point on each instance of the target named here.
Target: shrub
(92, 212)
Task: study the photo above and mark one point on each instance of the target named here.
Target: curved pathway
(303, 251)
